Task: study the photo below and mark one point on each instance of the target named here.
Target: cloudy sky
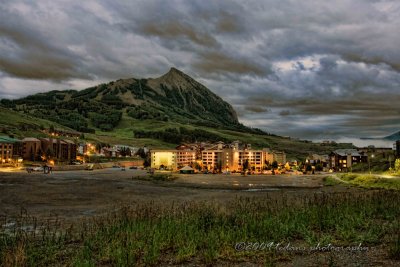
(309, 69)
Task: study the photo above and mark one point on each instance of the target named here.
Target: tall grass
(204, 232)
(371, 181)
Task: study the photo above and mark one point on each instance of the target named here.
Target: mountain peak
(174, 70)
(173, 78)
(175, 73)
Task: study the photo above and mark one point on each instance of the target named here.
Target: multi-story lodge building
(272, 155)
(219, 156)
(64, 150)
(9, 149)
(31, 148)
(232, 157)
(343, 159)
(35, 149)
(172, 159)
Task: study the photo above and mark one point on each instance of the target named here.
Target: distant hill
(172, 97)
(19, 124)
(393, 137)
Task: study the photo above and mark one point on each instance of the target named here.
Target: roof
(187, 168)
(30, 139)
(346, 152)
(54, 140)
(7, 139)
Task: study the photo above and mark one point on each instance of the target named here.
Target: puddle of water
(88, 212)
(261, 189)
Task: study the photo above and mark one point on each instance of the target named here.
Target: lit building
(279, 156)
(255, 159)
(8, 149)
(343, 159)
(271, 156)
(64, 150)
(31, 148)
(315, 159)
(233, 157)
(216, 157)
(172, 159)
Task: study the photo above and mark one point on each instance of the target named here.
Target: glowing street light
(369, 163)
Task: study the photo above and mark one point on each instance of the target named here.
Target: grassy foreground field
(205, 233)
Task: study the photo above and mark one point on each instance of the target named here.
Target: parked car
(133, 168)
(37, 169)
(34, 169)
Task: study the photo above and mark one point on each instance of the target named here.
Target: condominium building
(232, 157)
(8, 149)
(344, 159)
(172, 159)
(219, 157)
(31, 148)
(64, 150)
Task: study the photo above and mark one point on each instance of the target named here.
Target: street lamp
(369, 163)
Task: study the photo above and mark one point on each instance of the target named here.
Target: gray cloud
(218, 62)
(306, 68)
(256, 109)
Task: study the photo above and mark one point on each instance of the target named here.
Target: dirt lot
(76, 194)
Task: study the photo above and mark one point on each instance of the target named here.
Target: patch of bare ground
(83, 198)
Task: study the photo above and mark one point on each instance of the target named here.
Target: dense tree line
(146, 113)
(113, 100)
(106, 121)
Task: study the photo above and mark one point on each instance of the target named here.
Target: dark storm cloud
(302, 68)
(26, 53)
(256, 109)
(218, 62)
(285, 112)
(175, 29)
(229, 23)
